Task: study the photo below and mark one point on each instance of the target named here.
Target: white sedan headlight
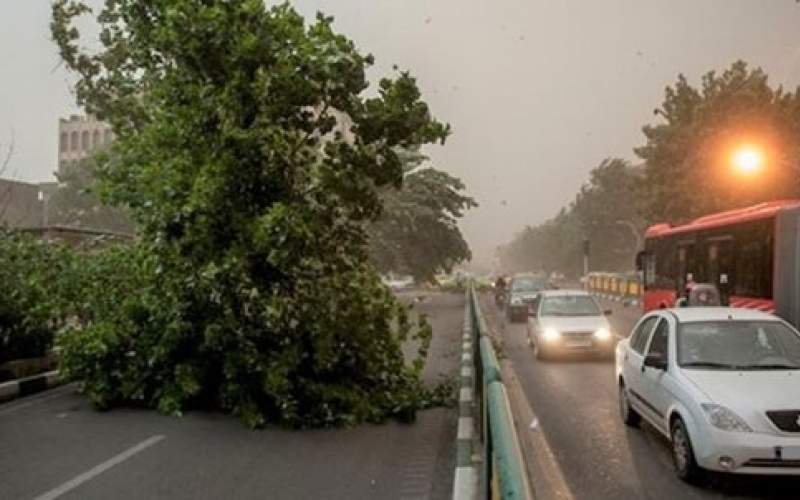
(516, 301)
(602, 334)
(551, 334)
(725, 419)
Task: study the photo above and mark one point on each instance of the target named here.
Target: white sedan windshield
(738, 345)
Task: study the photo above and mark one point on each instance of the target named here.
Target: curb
(465, 481)
(29, 385)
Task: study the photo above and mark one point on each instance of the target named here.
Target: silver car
(564, 321)
(524, 289)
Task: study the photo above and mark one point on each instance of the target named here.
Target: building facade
(22, 204)
(79, 137)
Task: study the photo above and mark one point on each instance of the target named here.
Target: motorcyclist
(500, 290)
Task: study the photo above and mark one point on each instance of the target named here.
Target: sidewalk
(55, 440)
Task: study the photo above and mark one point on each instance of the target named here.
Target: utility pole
(585, 258)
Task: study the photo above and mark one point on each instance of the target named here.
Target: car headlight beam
(724, 418)
(602, 334)
(551, 334)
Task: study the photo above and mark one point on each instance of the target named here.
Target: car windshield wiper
(709, 364)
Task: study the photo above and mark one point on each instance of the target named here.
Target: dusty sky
(537, 91)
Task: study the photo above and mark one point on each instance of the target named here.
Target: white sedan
(568, 321)
(722, 384)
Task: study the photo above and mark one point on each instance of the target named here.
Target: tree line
(684, 170)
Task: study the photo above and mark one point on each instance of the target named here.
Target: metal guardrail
(616, 286)
(503, 471)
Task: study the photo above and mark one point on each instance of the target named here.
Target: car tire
(630, 417)
(686, 467)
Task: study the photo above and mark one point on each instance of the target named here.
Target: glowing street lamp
(747, 159)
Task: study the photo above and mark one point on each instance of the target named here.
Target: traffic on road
(707, 375)
(604, 451)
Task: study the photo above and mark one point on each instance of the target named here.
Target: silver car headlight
(551, 334)
(516, 301)
(602, 334)
(724, 418)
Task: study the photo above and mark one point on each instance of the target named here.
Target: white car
(563, 321)
(722, 384)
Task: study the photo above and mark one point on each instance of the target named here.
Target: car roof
(563, 293)
(690, 314)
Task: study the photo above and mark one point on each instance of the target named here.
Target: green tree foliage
(608, 210)
(76, 203)
(250, 160)
(37, 289)
(687, 155)
(604, 211)
(418, 233)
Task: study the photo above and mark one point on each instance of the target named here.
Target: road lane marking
(465, 425)
(465, 483)
(53, 394)
(99, 469)
(465, 396)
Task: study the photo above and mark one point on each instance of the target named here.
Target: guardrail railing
(615, 286)
(503, 474)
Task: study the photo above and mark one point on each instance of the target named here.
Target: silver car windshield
(738, 345)
(569, 305)
(527, 285)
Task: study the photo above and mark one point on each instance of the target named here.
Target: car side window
(642, 334)
(659, 344)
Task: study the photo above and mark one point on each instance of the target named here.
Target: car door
(655, 394)
(634, 357)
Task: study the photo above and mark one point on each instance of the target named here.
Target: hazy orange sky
(538, 92)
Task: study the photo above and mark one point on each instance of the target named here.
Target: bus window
(753, 269)
(660, 266)
(687, 264)
(649, 270)
(720, 261)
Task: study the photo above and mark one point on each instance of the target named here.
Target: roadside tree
(417, 232)
(688, 154)
(251, 160)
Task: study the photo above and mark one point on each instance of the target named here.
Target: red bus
(751, 254)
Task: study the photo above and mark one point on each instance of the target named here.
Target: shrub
(32, 273)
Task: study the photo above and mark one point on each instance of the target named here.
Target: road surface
(599, 457)
(54, 445)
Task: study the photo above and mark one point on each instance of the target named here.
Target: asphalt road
(54, 445)
(599, 457)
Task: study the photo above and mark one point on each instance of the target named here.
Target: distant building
(79, 137)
